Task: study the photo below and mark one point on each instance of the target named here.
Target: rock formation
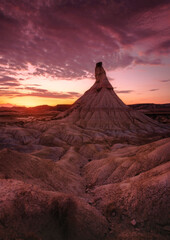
(100, 171)
(101, 108)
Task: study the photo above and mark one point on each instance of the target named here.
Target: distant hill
(151, 107)
(62, 107)
(159, 112)
(35, 110)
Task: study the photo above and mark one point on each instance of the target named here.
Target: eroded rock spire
(101, 78)
(101, 108)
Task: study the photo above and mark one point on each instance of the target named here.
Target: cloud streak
(37, 92)
(154, 89)
(165, 81)
(9, 81)
(124, 91)
(161, 48)
(66, 38)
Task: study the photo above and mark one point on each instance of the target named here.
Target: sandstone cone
(101, 108)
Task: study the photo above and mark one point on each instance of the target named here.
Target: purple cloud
(9, 81)
(161, 48)
(154, 89)
(124, 91)
(33, 89)
(66, 38)
(37, 92)
(145, 61)
(164, 81)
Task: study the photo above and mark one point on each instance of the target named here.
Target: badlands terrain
(99, 170)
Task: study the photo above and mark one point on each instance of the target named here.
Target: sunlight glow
(36, 101)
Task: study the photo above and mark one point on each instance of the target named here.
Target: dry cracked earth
(59, 181)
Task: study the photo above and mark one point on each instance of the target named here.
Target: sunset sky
(49, 48)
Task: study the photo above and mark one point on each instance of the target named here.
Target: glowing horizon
(45, 60)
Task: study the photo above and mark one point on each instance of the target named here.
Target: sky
(49, 49)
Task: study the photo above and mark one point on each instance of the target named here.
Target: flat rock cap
(99, 64)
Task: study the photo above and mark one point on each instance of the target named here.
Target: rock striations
(101, 108)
